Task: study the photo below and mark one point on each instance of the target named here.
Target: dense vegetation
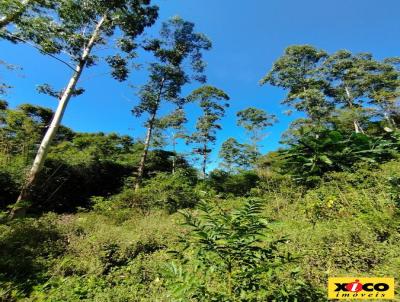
(105, 217)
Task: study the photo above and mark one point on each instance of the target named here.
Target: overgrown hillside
(275, 232)
(347, 225)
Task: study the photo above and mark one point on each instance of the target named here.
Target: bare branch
(41, 50)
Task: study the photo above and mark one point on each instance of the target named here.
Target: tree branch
(11, 36)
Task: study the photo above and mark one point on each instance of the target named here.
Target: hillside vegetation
(245, 235)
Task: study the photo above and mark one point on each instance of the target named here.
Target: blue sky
(248, 36)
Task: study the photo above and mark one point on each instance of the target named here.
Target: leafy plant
(330, 150)
(236, 184)
(227, 254)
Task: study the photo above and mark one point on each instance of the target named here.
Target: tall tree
(356, 80)
(298, 71)
(213, 103)
(236, 155)
(318, 83)
(175, 122)
(255, 121)
(22, 130)
(178, 44)
(76, 27)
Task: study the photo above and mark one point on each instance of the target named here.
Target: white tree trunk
(20, 210)
(357, 126)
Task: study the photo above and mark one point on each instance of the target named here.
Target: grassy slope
(347, 226)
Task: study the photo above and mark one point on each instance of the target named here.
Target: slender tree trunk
(356, 123)
(143, 158)
(204, 168)
(5, 20)
(357, 127)
(389, 119)
(174, 150)
(142, 163)
(19, 208)
(393, 122)
(254, 142)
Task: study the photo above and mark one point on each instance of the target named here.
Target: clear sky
(248, 36)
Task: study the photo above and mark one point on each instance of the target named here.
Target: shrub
(344, 194)
(109, 260)
(164, 191)
(28, 248)
(226, 256)
(238, 184)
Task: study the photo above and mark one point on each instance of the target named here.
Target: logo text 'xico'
(360, 288)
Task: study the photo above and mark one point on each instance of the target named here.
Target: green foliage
(297, 71)
(16, 11)
(166, 191)
(23, 127)
(316, 153)
(318, 82)
(226, 256)
(74, 29)
(77, 169)
(237, 156)
(213, 102)
(79, 165)
(115, 253)
(64, 28)
(178, 45)
(24, 265)
(255, 121)
(355, 79)
(236, 184)
(334, 91)
(86, 257)
(332, 196)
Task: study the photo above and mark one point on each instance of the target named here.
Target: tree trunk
(254, 142)
(174, 150)
(389, 119)
(204, 161)
(5, 20)
(143, 159)
(356, 123)
(393, 122)
(20, 208)
(357, 127)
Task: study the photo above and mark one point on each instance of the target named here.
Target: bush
(12, 171)
(28, 248)
(108, 260)
(344, 195)
(163, 191)
(238, 184)
(8, 189)
(226, 256)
